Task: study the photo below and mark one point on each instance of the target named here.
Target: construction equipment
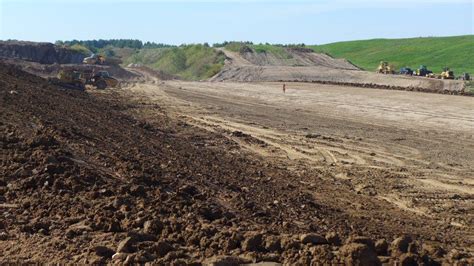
(406, 71)
(94, 59)
(385, 68)
(78, 79)
(464, 76)
(447, 74)
(101, 80)
(70, 79)
(423, 71)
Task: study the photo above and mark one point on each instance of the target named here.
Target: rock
(120, 256)
(400, 245)
(273, 244)
(225, 261)
(361, 240)
(103, 251)
(433, 250)
(3, 236)
(153, 227)
(408, 259)
(252, 242)
(126, 245)
(313, 239)
(413, 248)
(162, 248)
(381, 247)
(333, 239)
(358, 254)
(138, 190)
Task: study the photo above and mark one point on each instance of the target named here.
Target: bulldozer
(447, 74)
(94, 59)
(385, 68)
(423, 71)
(78, 79)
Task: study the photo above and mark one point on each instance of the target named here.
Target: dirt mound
(44, 53)
(84, 179)
(295, 57)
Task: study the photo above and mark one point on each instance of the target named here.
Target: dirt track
(390, 145)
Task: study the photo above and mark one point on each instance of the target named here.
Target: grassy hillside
(435, 52)
(193, 62)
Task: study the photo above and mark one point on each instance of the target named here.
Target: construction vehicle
(423, 71)
(94, 59)
(464, 76)
(447, 74)
(385, 68)
(78, 79)
(406, 71)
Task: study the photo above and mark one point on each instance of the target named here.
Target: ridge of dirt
(320, 68)
(109, 177)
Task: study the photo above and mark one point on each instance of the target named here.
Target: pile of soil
(85, 179)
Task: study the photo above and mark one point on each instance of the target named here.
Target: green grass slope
(192, 62)
(456, 52)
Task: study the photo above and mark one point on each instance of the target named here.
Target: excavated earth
(307, 66)
(117, 177)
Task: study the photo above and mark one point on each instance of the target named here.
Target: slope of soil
(243, 68)
(97, 178)
(296, 57)
(44, 53)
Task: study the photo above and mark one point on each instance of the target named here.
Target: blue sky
(176, 22)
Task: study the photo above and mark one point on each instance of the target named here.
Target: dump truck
(385, 68)
(94, 59)
(423, 71)
(78, 79)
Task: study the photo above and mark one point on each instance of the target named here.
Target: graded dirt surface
(177, 173)
(393, 146)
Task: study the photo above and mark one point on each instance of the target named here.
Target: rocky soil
(102, 178)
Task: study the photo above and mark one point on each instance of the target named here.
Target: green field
(435, 52)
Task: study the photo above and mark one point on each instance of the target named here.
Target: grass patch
(80, 48)
(435, 52)
(191, 62)
(277, 51)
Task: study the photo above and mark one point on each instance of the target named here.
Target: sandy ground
(412, 149)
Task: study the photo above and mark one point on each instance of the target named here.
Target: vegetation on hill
(193, 62)
(435, 52)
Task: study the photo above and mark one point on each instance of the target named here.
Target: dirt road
(414, 150)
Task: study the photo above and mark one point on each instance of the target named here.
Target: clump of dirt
(85, 179)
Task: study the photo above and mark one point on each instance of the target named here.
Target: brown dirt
(90, 175)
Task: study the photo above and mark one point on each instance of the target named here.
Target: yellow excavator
(385, 68)
(78, 79)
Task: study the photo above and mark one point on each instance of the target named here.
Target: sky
(198, 21)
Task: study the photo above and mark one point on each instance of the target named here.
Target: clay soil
(200, 173)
